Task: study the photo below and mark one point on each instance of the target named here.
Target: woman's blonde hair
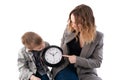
(31, 39)
(83, 16)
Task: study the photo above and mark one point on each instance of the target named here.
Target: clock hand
(54, 60)
(51, 54)
(55, 53)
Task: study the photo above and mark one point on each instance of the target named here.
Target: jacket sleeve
(24, 70)
(95, 60)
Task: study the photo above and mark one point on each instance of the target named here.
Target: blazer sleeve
(95, 60)
(25, 73)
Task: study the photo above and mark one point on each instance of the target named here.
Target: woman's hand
(34, 78)
(71, 58)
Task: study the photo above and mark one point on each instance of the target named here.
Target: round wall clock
(52, 56)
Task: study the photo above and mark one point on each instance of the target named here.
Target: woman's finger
(66, 56)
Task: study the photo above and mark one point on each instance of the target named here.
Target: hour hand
(51, 53)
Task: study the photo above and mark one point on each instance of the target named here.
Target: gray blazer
(89, 59)
(26, 64)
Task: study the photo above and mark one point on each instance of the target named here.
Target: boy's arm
(25, 73)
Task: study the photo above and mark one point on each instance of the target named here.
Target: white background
(49, 18)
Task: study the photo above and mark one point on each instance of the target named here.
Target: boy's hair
(31, 40)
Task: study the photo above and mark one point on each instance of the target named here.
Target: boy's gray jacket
(26, 64)
(90, 57)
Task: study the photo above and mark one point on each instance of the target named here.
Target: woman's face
(74, 26)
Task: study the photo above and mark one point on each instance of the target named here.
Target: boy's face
(39, 47)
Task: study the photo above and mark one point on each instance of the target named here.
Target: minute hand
(55, 53)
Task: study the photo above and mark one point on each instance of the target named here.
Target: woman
(82, 46)
(30, 64)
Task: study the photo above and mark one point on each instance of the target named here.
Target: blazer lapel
(30, 54)
(70, 37)
(84, 51)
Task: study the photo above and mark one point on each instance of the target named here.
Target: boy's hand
(34, 78)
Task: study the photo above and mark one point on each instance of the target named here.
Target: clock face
(53, 55)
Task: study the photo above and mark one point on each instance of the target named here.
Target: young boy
(30, 64)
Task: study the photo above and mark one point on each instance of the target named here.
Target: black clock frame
(49, 64)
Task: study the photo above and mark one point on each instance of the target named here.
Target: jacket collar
(70, 37)
(85, 48)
